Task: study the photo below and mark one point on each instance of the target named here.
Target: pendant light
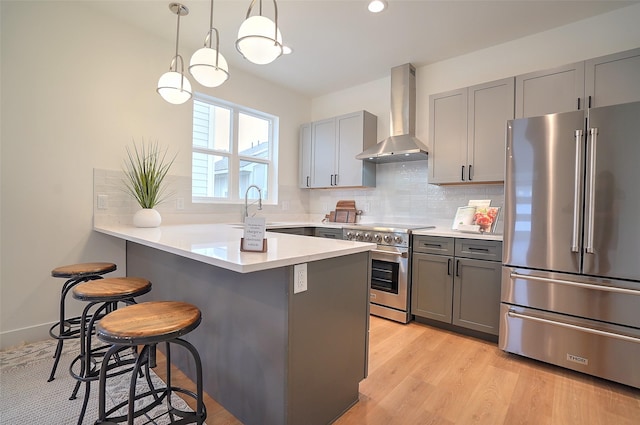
(173, 86)
(207, 65)
(259, 39)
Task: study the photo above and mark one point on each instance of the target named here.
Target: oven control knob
(349, 235)
(388, 238)
(359, 236)
(398, 239)
(367, 236)
(377, 238)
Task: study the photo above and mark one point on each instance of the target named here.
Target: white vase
(147, 217)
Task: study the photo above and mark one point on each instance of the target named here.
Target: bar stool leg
(62, 332)
(68, 285)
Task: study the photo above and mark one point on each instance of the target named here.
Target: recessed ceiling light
(377, 6)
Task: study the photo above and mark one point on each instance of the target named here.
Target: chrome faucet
(246, 205)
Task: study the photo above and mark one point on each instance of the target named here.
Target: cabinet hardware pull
(578, 104)
(449, 267)
(432, 245)
(335, 179)
(470, 172)
(458, 268)
(471, 248)
(589, 101)
(307, 181)
(462, 177)
(512, 313)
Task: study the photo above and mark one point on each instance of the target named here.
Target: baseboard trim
(22, 336)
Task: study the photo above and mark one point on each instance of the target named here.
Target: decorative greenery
(145, 170)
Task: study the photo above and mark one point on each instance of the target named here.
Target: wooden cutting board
(346, 205)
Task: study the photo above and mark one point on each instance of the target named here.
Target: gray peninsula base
(271, 357)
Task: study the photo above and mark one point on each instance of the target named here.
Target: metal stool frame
(87, 359)
(146, 359)
(69, 328)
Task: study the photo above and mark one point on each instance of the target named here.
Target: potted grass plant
(145, 169)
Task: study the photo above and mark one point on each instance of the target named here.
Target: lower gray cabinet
(457, 281)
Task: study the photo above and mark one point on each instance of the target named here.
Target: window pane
(210, 176)
(253, 173)
(211, 127)
(253, 136)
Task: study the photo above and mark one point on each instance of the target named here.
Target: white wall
(402, 192)
(77, 87)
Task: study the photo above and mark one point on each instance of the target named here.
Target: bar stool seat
(102, 296)
(69, 328)
(148, 324)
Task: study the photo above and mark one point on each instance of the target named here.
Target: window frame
(269, 193)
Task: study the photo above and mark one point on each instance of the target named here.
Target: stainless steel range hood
(402, 145)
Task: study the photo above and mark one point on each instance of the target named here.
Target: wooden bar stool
(148, 324)
(102, 296)
(68, 328)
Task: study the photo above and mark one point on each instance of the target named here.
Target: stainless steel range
(390, 266)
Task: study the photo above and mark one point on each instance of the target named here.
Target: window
(233, 148)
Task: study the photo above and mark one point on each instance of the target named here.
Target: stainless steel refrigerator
(571, 258)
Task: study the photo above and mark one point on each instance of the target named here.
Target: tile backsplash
(402, 194)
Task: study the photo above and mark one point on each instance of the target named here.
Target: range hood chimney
(402, 145)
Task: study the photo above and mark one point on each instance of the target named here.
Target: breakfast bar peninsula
(270, 355)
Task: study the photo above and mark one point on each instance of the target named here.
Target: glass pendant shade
(255, 40)
(204, 70)
(174, 87)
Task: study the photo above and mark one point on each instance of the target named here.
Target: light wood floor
(425, 376)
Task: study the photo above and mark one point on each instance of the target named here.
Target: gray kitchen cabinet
(467, 132)
(323, 140)
(328, 152)
(602, 81)
(613, 79)
(550, 91)
(457, 281)
(304, 180)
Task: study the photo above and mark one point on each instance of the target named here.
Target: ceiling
(340, 44)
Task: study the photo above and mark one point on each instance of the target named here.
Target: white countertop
(449, 233)
(219, 245)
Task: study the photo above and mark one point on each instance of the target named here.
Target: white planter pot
(147, 217)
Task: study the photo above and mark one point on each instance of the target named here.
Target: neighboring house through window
(233, 148)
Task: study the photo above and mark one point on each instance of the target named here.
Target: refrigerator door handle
(576, 193)
(593, 132)
(616, 289)
(512, 313)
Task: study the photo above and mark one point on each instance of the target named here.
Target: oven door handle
(395, 254)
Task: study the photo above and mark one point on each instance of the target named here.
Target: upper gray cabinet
(328, 149)
(607, 80)
(467, 130)
(613, 79)
(550, 91)
(305, 156)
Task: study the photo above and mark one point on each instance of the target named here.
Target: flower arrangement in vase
(145, 169)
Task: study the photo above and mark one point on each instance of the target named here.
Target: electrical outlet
(103, 201)
(367, 207)
(299, 278)
(180, 203)
(285, 205)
